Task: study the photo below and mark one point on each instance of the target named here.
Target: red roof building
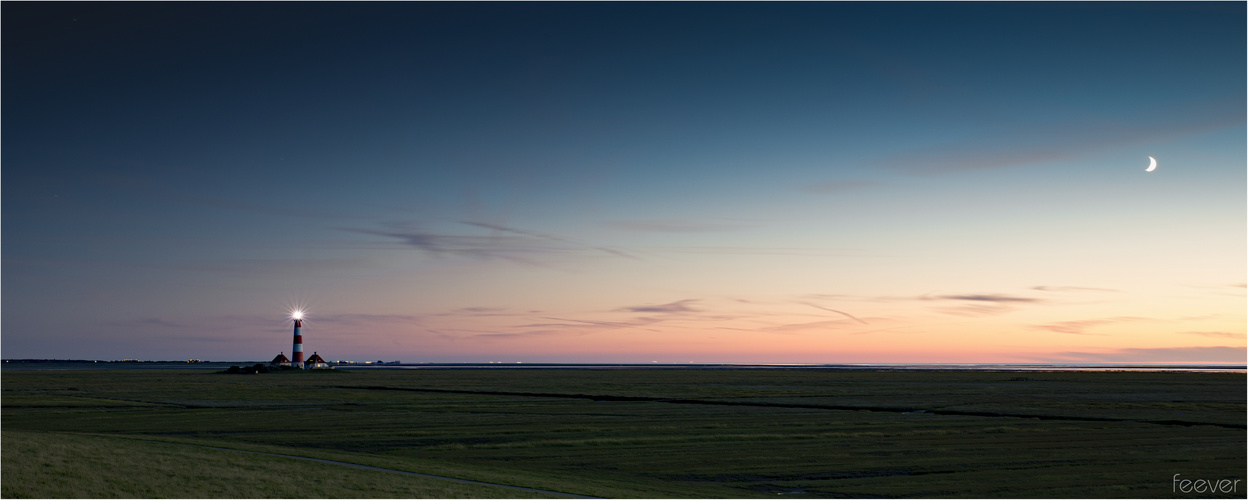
(280, 360)
(315, 361)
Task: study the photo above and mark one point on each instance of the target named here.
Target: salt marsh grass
(55, 465)
(701, 433)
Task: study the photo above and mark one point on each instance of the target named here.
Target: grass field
(621, 433)
(54, 465)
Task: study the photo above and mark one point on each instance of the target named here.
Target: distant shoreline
(55, 364)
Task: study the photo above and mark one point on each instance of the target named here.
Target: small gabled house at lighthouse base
(316, 362)
(280, 360)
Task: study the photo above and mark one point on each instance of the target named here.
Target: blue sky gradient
(436, 179)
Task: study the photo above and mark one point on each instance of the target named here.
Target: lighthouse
(297, 351)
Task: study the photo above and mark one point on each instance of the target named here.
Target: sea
(18, 365)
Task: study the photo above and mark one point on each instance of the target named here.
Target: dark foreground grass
(53, 465)
(1090, 435)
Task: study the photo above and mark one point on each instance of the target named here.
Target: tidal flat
(628, 433)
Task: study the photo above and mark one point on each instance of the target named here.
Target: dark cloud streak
(843, 313)
(680, 306)
(516, 245)
(988, 298)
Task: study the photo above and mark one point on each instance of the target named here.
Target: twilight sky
(625, 182)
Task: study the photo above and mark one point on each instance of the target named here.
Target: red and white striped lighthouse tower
(297, 351)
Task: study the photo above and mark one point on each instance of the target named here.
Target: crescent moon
(1152, 164)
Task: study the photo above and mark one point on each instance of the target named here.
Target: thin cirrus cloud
(672, 226)
(1215, 354)
(796, 328)
(566, 326)
(557, 325)
(835, 324)
(365, 320)
(1229, 335)
(1079, 327)
(987, 298)
(478, 312)
(971, 305)
(678, 307)
(1063, 141)
(548, 237)
(483, 247)
(843, 313)
(997, 298)
(514, 244)
(738, 250)
(532, 333)
(607, 325)
(1231, 290)
(1072, 289)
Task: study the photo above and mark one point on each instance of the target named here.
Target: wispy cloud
(843, 313)
(987, 298)
(1078, 327)
(515, 244)
(356, 319)
(633, 323)
(567, 326)
(980, 304)
(741, 250)
(963, 304)
(675, 315)
(1229, 335)
(467, 246)
(1219, 354)
(1226, 290)
(532, 333)
(1072, 289)
(792, 328)
(548, 237)
(479, 312)
(680, 306)
(672, 226)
